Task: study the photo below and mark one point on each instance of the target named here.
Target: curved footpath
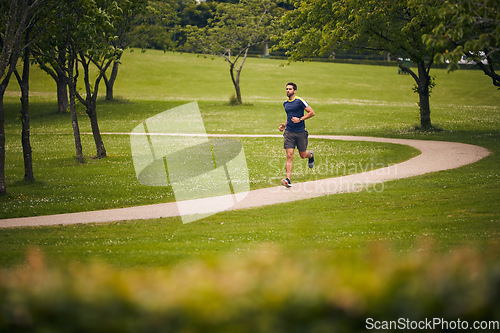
(435, 156)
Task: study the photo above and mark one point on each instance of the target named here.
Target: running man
(295, 134)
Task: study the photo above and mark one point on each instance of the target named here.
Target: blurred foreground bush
(267, 291)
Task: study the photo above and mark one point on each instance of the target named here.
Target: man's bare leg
(305, 154)
(288, 167)
(289, 162)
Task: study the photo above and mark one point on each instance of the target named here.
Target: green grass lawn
(449, 210)
(348, 99)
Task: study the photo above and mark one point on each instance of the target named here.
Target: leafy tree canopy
(319, 27)
(469, 28)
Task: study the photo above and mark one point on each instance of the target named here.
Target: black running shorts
(293, 140)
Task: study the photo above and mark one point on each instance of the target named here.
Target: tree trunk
(236, 83)
(62, 81)
(424, 81)
(62, 91)
(425, 111)
(238, 92)
(91, 111)
(76, 128)
(25, 112)
(90, 102)
(111, 81)
(72, 110)
(3, 87)
(3, 187)
(9, 54)
(57, 70)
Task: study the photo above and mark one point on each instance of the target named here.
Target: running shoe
(311, 161)
(286, 182)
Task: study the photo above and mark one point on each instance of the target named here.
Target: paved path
(435, 156)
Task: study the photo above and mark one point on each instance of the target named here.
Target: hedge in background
(265, 291)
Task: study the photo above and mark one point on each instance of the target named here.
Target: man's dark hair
(292, 84)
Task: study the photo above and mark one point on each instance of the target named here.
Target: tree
(319, 27)
(72, 75)
(84, 34)
(192, 13)
(55, 51)
(123, 14)
(59, 76)
(25, 113)
(469, 28)
(93, 47)
(155, 27)
(235, 29)
(49, 50)
(15, 18)
(34, 22)
(89, 33)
